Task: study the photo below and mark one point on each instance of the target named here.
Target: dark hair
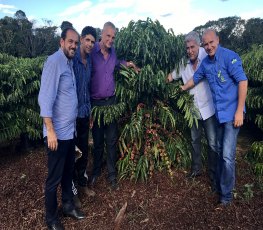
(66, 24)
(89, 30)
(64, 32)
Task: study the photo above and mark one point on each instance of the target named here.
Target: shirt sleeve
(235, 68)
(48, 88)
(199, 74)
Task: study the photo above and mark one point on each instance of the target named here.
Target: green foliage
(19, 86)
(235, 33)
(20, 38)
(156, 112)
(253, 65)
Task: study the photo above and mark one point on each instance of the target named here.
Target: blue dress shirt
(57, 96)
(223, 73)
(83, 75)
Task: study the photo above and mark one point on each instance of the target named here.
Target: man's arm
(52, 141)
(188, 85)
(242, 94)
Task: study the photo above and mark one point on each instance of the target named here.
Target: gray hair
(192, 36)
(109, 24)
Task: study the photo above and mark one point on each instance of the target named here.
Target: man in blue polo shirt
(58, 107)
(228, 83)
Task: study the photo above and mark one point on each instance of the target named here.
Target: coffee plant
(253, 65)
(152, 114)
(19, 86)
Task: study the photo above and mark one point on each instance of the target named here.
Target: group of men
(216, 79)
(78, 77)
(74, 79)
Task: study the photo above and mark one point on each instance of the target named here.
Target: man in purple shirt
(104, 61)
(58, 106)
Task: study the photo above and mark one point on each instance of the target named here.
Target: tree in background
(19, 38)
(235, 33)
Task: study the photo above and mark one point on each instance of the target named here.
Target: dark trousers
(209, 125)
(110, 133)
(60, 171)
(82, 138)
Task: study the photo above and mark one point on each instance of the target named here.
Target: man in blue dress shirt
(82, 69)
(228, 83)
(58, 107)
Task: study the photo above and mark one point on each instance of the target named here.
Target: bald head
(210, 42)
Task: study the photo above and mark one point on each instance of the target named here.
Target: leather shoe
(193, 174)
(74, 213)
(55, 226)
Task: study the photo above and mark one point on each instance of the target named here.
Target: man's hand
(169, 78)
(130, 64)
(239, 119)
(52, 141)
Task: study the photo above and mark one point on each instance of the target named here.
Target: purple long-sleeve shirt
(102, 77)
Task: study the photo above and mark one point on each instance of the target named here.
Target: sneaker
(76, 201)
(87, 191)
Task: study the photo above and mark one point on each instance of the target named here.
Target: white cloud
(258, 13)
(7, 9)
(180, 15)
(72, 10)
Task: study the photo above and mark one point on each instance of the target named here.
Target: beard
(69, 53)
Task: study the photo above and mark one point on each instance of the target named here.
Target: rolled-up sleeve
(199, 74)
(235, 68)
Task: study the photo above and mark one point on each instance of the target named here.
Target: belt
(104, 99)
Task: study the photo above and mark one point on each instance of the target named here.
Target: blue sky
(180, 15)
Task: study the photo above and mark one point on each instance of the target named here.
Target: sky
(180, 15)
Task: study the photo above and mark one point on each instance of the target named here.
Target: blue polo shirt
(223, 73)
(57, 96)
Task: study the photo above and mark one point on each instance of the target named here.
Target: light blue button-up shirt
(57, 96)
(223, 73)
(202, 94)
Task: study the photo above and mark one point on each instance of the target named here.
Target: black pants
(110, 133)
(80, 176)
(60, 171)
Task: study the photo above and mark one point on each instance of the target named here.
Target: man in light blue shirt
(58, 107)
(228, 82)
(203, 105)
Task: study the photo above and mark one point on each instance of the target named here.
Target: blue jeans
(225, 175)
(209, 126)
